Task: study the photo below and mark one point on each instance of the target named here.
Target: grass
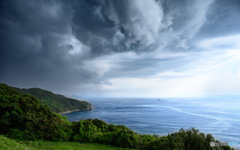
(76, 146)
(11, 144)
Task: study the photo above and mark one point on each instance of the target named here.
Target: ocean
(219, 115)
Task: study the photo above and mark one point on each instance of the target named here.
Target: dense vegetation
(57, 103)
(97, 131)
(25, 117)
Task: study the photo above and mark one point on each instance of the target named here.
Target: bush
(25, 117)
(85, 131)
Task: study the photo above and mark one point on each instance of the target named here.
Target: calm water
(219, 116)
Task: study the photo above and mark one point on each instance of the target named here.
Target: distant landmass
(57, 103)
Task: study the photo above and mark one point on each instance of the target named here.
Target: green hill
(57, 103)
(23, 116)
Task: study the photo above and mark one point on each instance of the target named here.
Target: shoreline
(75, 110)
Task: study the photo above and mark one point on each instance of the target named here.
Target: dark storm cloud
(63, 44)
(31, 34)
(105, 26)
(44, 42)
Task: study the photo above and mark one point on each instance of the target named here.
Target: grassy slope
(6, 143)
(57, 103)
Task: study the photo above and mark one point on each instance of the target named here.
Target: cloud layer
(88, 47)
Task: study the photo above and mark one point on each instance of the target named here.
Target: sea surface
(219, 115)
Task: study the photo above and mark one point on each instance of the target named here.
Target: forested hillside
(57, 103)
(25, 117)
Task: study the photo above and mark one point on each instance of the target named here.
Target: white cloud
(73, 45)
(224, 42)
(206, 73)
(204, 80)
(144, 21)
(197, 11)
(158, 87)
(182, 44)
(118, 36)
(101, 65)
(97, 66)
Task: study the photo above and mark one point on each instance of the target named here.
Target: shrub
(25, 117)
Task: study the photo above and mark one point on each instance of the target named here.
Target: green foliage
(190, 139)
(57, 103)
(86, 131)
(6, 90)
(100, 132)
(97, 131)
(25, 117)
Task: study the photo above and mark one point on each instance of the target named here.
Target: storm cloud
(78, 46)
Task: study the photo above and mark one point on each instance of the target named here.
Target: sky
(127, 48)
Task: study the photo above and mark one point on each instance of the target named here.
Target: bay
(217, 115)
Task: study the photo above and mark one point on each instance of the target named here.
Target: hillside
(25, 117)
(57, 103)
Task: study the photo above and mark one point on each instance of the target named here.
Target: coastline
(70, 111)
